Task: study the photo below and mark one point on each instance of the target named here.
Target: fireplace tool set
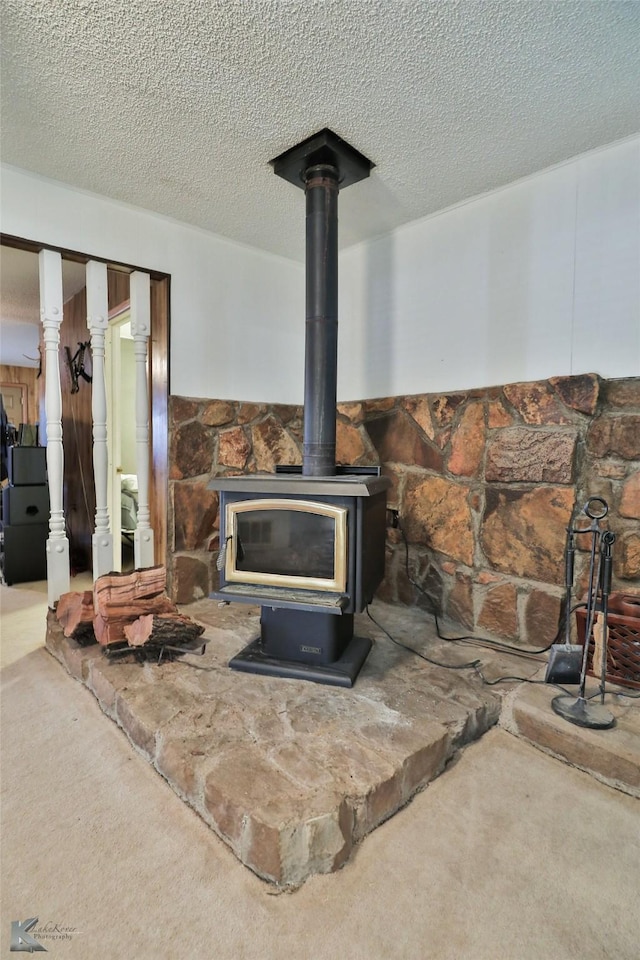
(568, 662)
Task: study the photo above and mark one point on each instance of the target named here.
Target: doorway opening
(122, 481)
(79, 494)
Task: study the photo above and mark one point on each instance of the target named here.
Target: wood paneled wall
(77, 426)
(28, 377)
(117, 288)
(77, 436)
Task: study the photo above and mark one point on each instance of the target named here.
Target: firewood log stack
(129, 613)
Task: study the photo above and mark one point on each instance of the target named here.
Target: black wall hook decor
(75, 364)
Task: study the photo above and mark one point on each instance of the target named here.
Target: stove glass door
(283, 542)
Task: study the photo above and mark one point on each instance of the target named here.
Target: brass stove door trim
(340, 561)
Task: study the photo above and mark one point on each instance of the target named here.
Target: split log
(74, 607)
(75, 614)
(132, 609)
(109, 623)
(121, 589)
(172, 629)
(108, 631)
(64, 603)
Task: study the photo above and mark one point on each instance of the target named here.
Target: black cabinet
(25, 516)
(27, 504)
(27, 465)
(25, 552)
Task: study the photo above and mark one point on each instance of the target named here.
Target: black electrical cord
(569, 693)
(619, 693)
(490, 644)
(478, 641)
(436, 663)
(523, 653)
(472, 665)
(492, 683)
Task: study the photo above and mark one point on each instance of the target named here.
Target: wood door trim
(159, 375)
(159, 404)
(24, 389)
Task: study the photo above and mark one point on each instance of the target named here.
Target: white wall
(237, 314)
(539, 279)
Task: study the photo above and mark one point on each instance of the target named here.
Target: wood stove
(307, 543)
(310, 551)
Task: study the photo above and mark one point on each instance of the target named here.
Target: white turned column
(97, 321)
(58, 576)
(140, 299)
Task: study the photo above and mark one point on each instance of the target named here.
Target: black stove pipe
(321, 338)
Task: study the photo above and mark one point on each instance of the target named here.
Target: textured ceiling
(178, 105)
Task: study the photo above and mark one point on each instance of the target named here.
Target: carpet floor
(509, 855)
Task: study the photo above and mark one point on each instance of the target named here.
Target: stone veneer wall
(485, 482)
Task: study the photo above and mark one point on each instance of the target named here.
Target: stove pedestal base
(341, 673)
(305, 636)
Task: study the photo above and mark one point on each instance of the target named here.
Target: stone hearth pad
(293, 774)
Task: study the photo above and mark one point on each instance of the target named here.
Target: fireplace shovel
(565, 659)
(564, 665)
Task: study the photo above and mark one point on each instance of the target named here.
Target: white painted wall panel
(523, 284)
(539, 279)
(607, 302)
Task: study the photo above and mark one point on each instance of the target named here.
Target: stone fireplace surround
(291, 775)
(484, 481)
